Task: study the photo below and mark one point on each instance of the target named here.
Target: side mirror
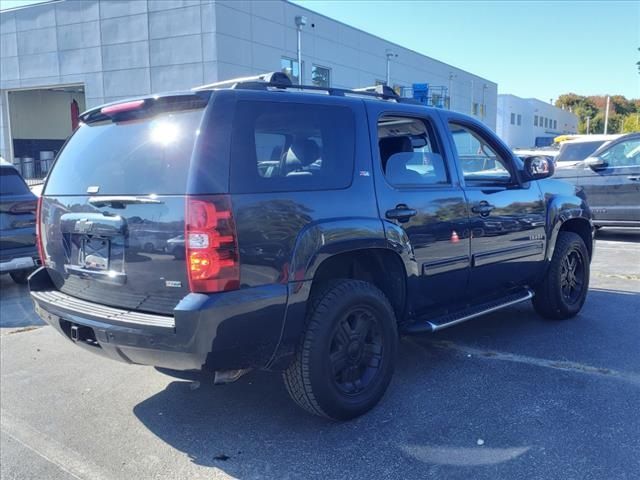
(538, 167)
(595, 163)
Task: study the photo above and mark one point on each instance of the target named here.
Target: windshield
(577, 152)
(149, 156)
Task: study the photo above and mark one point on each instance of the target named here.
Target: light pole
(390, 55)
(606, 116)
(588, 124)
(301, 21)
(451, 77)
(482, 107)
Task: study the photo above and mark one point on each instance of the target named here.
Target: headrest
(305, 150)
(391, 145)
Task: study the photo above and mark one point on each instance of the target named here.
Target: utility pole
(606, 116)
(301, 21)
(482, 107)
(588, 124)
(390, 55)
(451, 77)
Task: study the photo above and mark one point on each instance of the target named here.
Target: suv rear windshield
(148, 156)
(11, 183)
(576, 152)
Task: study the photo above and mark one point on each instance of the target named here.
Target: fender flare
(317, 243)
(561, 209)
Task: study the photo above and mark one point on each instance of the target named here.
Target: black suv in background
(18, 252)
(305, 229)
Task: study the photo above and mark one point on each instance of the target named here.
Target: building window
(483, 110)
(513, 119)
(290, 67)
(546, 122)
(535, 120)
(475, 108)
(555, 124)
(320, 76)
(519, 119)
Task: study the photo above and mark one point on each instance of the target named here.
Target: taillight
(39, 241)
(23, 207)
(211, 245)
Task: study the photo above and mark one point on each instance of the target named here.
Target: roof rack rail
(281, 81)
(379, 90)
(271, 79)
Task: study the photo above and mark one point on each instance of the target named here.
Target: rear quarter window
(279, 147)
(11, 183)
(576, 152)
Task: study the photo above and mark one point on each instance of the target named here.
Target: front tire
(564, 290)
(20, 276)
(346, 358)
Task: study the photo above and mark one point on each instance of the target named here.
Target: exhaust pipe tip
(221, 377)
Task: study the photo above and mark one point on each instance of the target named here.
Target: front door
(613, 189)
(507, 218)
(419, 195)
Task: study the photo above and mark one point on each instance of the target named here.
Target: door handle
(634, 178)
(484, 208)
(402, 213)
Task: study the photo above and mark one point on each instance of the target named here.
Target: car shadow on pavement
(17, 308)
(439, 408)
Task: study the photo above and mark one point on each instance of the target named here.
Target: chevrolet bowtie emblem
(83, 226)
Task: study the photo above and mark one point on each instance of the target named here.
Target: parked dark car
(311, 264)
(18, 251)
(610, 177)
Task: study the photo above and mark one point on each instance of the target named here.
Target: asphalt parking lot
(505, 396)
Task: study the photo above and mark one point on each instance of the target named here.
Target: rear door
(17, 212)
(114, 205)
(418, 191)
(613, 189)
(507, 218)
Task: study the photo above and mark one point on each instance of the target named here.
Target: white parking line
(47, 448)
(631, 378)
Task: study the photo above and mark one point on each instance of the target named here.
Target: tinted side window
(478, 159)
(291, 146)
(11, 183)
(409, 152)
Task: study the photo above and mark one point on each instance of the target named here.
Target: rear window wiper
(121, 201)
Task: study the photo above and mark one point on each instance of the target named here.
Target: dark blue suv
(255, 224)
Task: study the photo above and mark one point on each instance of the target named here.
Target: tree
(631, 123)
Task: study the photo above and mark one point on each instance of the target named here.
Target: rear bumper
(233, 330)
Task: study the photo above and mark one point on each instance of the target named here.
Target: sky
(535, 49)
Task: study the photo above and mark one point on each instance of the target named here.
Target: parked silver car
(610, 177)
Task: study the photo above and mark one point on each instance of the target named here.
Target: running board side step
(434, 324)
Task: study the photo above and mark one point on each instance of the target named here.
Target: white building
(529, 122)
(97, 51)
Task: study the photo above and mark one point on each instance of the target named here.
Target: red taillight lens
(210, 244)
(23, 207)
(39, 241)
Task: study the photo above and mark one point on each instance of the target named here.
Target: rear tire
(346, 358)
(20, 276)
(564, 290)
